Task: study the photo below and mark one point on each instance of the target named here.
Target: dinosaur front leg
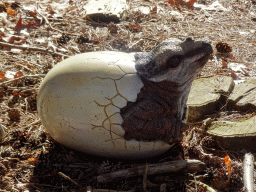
(149, 121)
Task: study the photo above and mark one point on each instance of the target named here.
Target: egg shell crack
(80, 104)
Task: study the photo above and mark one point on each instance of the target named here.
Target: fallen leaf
(16, 40)
(2, 76)
(28, 65)
(154, 9)
(18, 74)
(32, 160)
(33, 13)
(134, 27)
(224, 64)
(233, 75)
(171, 2)
(33, 24)
(11, 12)
(19, 26)
(15, 94)
(228, 163)
(58, 60)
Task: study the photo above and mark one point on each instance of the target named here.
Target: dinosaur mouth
(203, 60)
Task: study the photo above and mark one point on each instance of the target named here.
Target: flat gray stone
(237, 136)
(243, 97)
(106, 10)
(206, 94)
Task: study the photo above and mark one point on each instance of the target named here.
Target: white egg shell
(79, 103)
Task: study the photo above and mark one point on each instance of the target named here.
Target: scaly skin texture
(153, 115)
(167, 73)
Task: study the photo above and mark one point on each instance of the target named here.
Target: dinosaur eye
(173, 62)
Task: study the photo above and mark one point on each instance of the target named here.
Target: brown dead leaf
(176, 2)
(16, 40)
(15, 94)
(33, 13)
(28, 65)
(11, 12)
(182, 2)
(18, 74)
(134, 27)
(2, 75)
(233, 75)
(33, 24)
(224, 63)
(171, 2)
(154, 10)
(19, 25)
(2, 34)
(58, 60)
(33, 160)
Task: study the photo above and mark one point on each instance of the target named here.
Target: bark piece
(172, 166)
(248, 172)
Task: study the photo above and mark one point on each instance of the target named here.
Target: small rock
(106, 10)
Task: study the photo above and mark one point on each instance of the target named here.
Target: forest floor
(36, 35)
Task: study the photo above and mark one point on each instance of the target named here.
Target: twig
(32, 49)
(171, 166)
(47, 22)
(248, 172)
(25, 76)
(206, 187)
(145, 178)
(68, 178)
(106, 190)
(2, 132)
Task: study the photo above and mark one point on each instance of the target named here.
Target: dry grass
(31, 160)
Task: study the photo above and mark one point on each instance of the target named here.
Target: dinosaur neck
(172, 96)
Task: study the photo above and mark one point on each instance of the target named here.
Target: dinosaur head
(173, 60)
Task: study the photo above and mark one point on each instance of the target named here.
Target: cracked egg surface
(79, 103)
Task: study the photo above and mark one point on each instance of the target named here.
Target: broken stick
(171, 166)
(248, 172)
